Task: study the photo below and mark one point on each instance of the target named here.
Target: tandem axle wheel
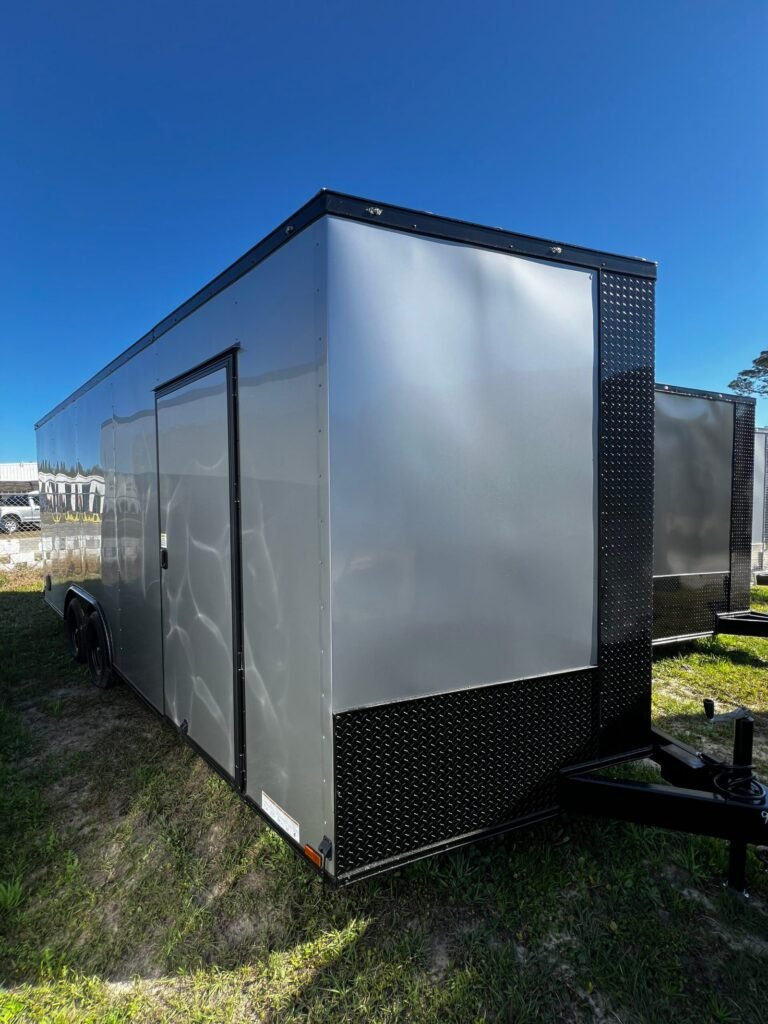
(89, 640)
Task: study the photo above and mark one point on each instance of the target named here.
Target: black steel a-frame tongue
(700, 794)
(749, 623)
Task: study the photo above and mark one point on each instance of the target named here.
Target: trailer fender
(90, 605)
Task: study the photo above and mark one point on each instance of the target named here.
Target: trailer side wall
(98, 460)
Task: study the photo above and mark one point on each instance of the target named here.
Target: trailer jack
(702, 795)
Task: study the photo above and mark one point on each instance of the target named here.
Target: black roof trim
(453, 230)
(716, 396)
(339, 204)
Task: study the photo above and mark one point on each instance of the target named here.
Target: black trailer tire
(75, 619)
(97, 652)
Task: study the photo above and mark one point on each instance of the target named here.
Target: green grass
(135, 886)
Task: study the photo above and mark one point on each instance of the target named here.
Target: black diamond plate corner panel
(626, 509)
(684, 605)
(416, 774)
(741, 505)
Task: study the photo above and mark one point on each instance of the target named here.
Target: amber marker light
(313, 855)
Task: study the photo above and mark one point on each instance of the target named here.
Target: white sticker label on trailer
(163, 540)
(280, 818)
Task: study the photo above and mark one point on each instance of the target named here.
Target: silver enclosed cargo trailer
(310, 518)
(702, 510)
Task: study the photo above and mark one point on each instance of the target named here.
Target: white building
(18, 476)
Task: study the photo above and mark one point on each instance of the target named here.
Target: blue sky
(147, 145)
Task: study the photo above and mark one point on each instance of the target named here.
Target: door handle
(163, 558)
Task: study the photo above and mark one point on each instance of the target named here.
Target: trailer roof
(716, 396)
(339, 204)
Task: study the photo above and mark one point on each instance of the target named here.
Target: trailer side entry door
(198, 552)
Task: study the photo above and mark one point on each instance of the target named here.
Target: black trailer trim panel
(414, 775)
(688, 604)
(741, 505)
(627, 339)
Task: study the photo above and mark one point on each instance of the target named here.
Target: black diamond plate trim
(626, 508)
(741, 505)
(417, 773)
(684, 605)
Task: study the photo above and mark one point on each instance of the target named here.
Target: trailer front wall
(702, 509)
(468, 425)
(463, 420)
(692, 492)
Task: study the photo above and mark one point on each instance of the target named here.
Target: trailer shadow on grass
(147, 887)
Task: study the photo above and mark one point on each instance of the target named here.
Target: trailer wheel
(97, 652)
(75, 619)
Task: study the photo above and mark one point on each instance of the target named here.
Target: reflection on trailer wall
(699, 499)
(74, 503)
(98, 498)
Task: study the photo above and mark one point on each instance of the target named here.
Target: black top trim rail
(339, 204)
(453, 230)
(716, 396)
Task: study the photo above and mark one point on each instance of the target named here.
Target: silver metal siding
(692, 490)
(462, 389)
(139, 641)
(283, 441)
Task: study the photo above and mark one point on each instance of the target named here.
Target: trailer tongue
(749, 623)
(702, 795)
